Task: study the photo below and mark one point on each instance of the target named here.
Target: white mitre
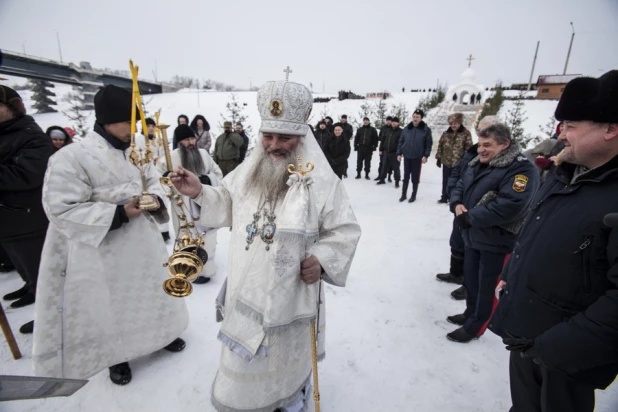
(284, 108)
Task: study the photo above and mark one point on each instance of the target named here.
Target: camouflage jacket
(453, 145)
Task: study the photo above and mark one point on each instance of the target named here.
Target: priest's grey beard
(191, 159)
(269, 176)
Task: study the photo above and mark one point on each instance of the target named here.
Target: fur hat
(12, 99)
(150, 122)
(587, 98)
(284, 108)
(456, 118)
(419, 112)
(227, 124)
(395, 119)
(389, 118)
(183, 132)
(112, 104)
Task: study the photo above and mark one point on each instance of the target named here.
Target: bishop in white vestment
(289, 232)
(199, 162)
(100, 301)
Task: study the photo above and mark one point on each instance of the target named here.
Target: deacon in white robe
(100, 301)
(271, 293)
(199, 162)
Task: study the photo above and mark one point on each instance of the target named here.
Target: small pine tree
(493, 104)
(430, 101)
(380, 111)
(76, 115)
(235, 114)
(401, 111)
(515, 119)
(42, 96)
(549, 129)
(365, 111)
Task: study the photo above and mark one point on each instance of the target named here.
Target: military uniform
(451, 148)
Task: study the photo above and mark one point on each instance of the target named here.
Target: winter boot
(120, 374)
(176, 346)
(460, 336)
(443, 200)
(389, 178)
(200, 280)
(455, 274)
(414, 191)
(381, 182)
(404, 192)
(358, 176)
(396, 184)
(376, 179)
(18, 294)
(27, 299)
(367, 176)
(461, 293)
(27, 328)
(458, 320)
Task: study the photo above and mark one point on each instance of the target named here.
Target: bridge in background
(84, 76)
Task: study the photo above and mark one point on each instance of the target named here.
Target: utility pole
(59, 47)
(570, 47)
(533, 64)
(23, 46)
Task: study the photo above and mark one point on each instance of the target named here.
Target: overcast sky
(347, 44)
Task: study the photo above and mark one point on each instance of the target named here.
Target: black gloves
(524, 346)
(205, 180)
(439, 163)
(166, 173)
(120, 218)
(463, 221)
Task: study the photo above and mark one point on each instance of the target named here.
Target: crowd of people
(536, 260)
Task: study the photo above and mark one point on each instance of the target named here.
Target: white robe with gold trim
(279, 368)
(100, 299)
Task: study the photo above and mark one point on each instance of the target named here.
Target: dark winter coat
(348, 130)
(453, 145)
(415, 142)
(461, 167)
(384, 132)
(24, 152)
(390, 140)
(562, 278)
(322, 136)
(515, 180)
(366, 139)
(242, 152)
(337, 152)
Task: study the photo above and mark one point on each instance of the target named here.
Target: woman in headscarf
(59, 137)
(200, 126)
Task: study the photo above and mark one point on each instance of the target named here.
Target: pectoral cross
(287, 72)
(470, 58)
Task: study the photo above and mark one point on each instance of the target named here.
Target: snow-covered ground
(386, 344)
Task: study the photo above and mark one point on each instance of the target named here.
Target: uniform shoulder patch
(521, 158)
(520, 183)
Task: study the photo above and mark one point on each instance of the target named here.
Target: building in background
(551, 86)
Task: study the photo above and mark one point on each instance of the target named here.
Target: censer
(189, 257)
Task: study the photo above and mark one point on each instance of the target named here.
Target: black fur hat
(183, 132)
(150, 122)
(587, 98)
